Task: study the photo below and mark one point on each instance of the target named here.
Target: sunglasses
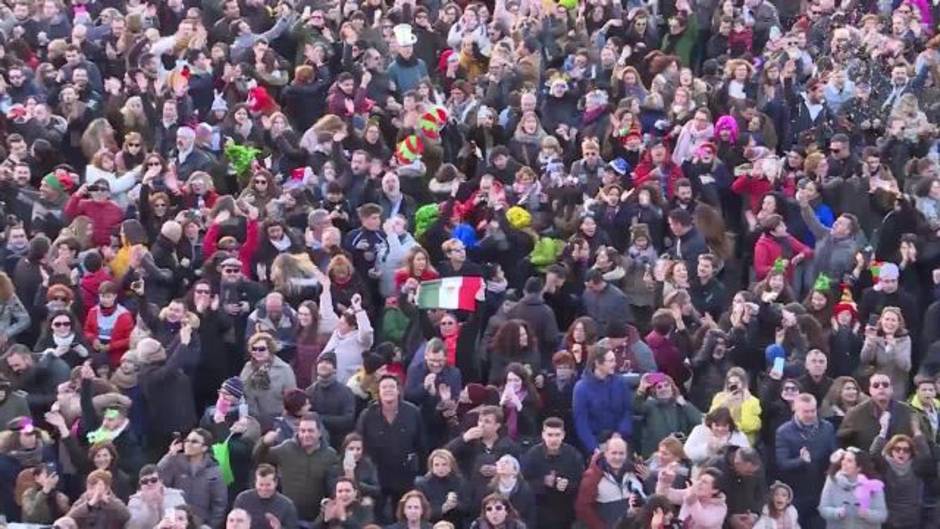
(153, 164)
(159, 205)
(259, 349)
(149, 481)
(877, 385)
(230, 270)
(495, 507)
(789, 388)
(60, 298)
(133, 145)
(60, 324)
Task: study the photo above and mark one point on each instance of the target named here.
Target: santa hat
(431, 122)
(846, 303)
(409, 150)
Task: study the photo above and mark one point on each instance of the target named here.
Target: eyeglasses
(259, 349)
(133, 145)
(901, 448)
(230, 270)
(261, 182)
(789, 388)
(60, 324)
(150, 481)
(192, 441)
(877, 385)
(495, 507)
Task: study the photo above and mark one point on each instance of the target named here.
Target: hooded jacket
(601, 405)
(840, 492)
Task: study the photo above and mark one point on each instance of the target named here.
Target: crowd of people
(482, 264)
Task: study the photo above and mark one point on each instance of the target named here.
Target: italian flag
(450, 293)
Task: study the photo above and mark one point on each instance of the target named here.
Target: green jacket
(305, 478)
(661, 418)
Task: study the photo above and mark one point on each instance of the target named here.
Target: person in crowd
(189, 468)
(601, 400)
(263, 503)
(801, 453)
(849, 495)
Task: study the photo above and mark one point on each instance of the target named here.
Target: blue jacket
(806, 479)
(601, 406)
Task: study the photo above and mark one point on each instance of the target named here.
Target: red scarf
(450, 344)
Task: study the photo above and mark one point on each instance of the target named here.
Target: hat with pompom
(846, 303)
(409, 150)
(431, 122)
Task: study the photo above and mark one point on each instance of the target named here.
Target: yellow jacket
(746, 416)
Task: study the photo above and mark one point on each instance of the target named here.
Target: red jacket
(105, 216)
(768, 249)
(753, 189)
(646, 172)
(89, 284)
(120, 333)
(246, 252)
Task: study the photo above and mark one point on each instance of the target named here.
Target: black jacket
(556, 509)
(397, 449)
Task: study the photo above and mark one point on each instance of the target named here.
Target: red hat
(846, 303)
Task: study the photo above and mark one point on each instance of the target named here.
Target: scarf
(506, 487)
(512, 417)
(65, 340)
(259, 377)
(450, 344)
(592, 115)
(531, 139)
(281, 244)
(28, 457)
(901, 469)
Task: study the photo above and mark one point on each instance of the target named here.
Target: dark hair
(553, 422)
(721, 415)
(681, 216)
(493, 411)
(148, 470)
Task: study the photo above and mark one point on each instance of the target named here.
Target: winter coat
(118, 337)
(840, 492)
(832, 256)
(698, 445)
(660, 418)
(336, 405)
(860, 425)
(894, 361)
(602, 497)
(747, 418)
(541, 319)
(646, 171)
(904, 491)
(144, 516)
(556, 508)
(766, 522)
(768, 249)
(202, 485)
(695, 513)
(305, 476)
(599, 406)
(105, 216)
(398, 449)
(112, 514)
(266, 401)
(436, 489)
(608, 305)
(169, 393)
(14, 318)
(349, 347)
